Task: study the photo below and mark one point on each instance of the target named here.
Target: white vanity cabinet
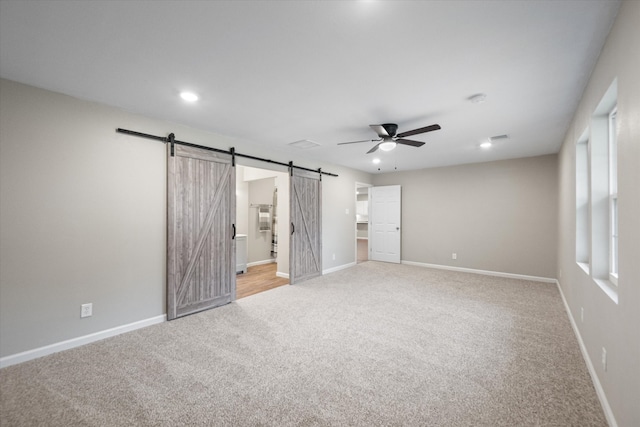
(241, 253)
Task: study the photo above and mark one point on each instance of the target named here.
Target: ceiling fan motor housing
(391, 128)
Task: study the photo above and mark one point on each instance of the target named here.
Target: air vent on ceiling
(498, 138)
(304, 144)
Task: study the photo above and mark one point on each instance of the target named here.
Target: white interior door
(384, 220)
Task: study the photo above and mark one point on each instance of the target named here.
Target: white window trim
(582, 243)
(613, 198)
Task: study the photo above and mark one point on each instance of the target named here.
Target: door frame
(355, 216)
(372, 218)
(282, 177)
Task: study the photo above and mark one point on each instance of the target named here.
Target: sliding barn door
(201, 231)
(305, 251)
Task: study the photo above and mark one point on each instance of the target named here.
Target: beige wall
(607, 324)
(496, 216)
(83, 215)
(259, 242)
(338, 221)
(242, 202)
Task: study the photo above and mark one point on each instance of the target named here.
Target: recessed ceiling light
(478, 98)
(376, 161)
(189, 96)
(486, 144)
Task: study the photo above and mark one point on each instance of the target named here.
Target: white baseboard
(264, 261)
(483, 272)
(283, 275)
(608, 413)
(338, 268)
(14, 359)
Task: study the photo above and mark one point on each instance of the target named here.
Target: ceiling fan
(388, 138)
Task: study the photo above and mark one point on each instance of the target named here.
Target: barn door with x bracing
(201, 231)
(305, 248)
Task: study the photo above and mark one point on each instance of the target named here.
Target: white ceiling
(278, 72)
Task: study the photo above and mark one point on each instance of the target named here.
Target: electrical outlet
(604, 359)
(334, 257)
(582, 314)
(346, 211)
(454, 256)
(86, 310)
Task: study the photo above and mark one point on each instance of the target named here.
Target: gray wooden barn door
(201, 220)
(305, 251)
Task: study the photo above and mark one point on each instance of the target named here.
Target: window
(596, 170)
(613, 197)
(600, 150)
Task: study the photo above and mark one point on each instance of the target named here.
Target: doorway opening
(362, 222)
(262, 223)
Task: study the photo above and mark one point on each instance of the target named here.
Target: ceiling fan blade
(409, 142)
(380, 130)
(355, 142)
(421, 130)
(374, 149)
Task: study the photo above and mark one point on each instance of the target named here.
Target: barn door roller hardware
(171, 140)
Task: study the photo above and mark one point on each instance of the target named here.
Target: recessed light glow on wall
(189, 96)
(376, 161)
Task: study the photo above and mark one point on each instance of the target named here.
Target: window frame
(583, 202)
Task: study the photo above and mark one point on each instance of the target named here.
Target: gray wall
(497, 216)
(83, 215)
(607, 324)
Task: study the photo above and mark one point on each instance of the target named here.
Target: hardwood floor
(258, 278)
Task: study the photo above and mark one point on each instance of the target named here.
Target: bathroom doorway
(262, 224)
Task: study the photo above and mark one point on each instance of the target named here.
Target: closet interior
(362, 222)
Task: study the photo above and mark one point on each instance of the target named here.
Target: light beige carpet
(374, 345)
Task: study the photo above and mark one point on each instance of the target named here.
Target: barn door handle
(234, 232)
(293, 228)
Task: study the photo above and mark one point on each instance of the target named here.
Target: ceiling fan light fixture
(387, 146)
